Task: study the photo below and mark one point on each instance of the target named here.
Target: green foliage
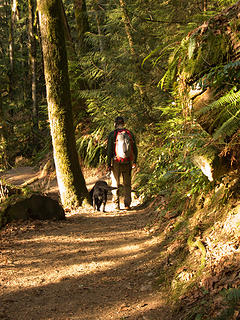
(203, 59)
(221, 76)
(105, 78)
(170, 170)
(92, 148)
(232, 297)
(226, 110)
(15, 86)
(195, 56)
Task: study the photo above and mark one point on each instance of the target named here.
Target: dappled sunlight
(128, 248)
(19, 176)
(148, 303)
(225, 243)
(36, 277)
(205, 166)
(81, 252)
(42, 255)
(102, 262)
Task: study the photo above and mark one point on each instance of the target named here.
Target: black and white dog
(98, 194)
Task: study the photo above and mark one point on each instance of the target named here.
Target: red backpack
(123, 146)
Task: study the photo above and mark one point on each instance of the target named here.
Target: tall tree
(80, 10)
(13, 18)
(139, 83)
(32, 58)
(71, 182)
(3, 139)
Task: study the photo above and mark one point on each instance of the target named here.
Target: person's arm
(110, 149)
(135, 149)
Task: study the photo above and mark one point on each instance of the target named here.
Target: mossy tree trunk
(71, 182)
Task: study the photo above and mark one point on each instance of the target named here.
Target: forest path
(93, 266)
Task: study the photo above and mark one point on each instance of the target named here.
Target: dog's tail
(110, 188)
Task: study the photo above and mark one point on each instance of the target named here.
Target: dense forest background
(171, 69)
(122, 58)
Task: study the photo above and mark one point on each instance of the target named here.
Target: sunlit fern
(227, 114)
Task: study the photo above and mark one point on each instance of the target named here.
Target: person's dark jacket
(111, 145)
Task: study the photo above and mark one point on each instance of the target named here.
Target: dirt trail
(93, 266)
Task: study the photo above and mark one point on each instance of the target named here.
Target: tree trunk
(71, 182)
(99, 32)
(99, 20)
(139, 83)
(14, 16)
(32, 58)
(205, 5)
(80, 10)
(127, 26)
(3, 139)
(67, 32)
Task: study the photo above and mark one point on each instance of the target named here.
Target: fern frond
(231, 98)
(91, 148)
(191, 47)
(173, 62)
(229, 127)
(226, 314)
(226, 111)
(233, 295)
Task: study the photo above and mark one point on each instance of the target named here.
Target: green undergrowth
(199, 250)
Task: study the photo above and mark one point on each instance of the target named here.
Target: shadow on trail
(99, 267)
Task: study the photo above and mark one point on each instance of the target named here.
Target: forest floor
(92, 266)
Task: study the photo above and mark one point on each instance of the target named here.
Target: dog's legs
(104, 200)
(98, 204)
(94, 204)
(103, 207)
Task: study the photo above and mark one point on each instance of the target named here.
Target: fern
(92, 148)
(229, 127)
(231, 98)
(191, 47)
(227, 114)
(170, 75)
(226, 314)
(232, 296)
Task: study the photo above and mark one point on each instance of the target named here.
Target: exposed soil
(93, 266)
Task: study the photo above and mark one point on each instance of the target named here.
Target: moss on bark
(70, 178)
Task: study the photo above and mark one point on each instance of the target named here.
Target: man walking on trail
(121, 158)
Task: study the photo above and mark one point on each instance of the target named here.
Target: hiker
(121, 158)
